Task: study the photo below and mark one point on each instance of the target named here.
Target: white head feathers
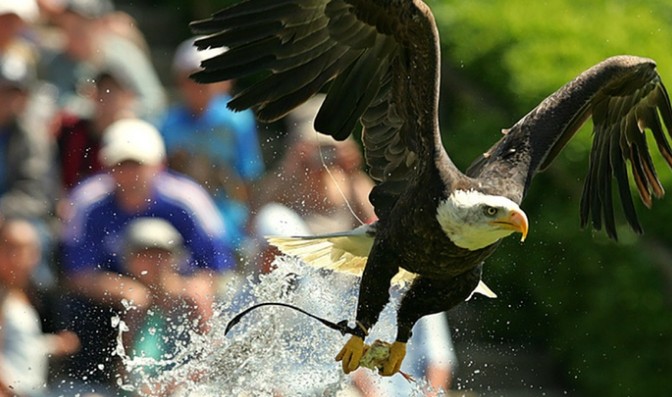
(474, 220)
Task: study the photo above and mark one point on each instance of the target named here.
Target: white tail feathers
(345, 252)
(322, 252)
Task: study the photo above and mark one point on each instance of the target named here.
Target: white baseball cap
(24, 9)
(132, 139)
(143, 233)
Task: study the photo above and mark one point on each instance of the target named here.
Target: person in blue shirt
(135, 184)
(91, 44)
(212, 144)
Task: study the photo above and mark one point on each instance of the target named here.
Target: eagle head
(474, 220)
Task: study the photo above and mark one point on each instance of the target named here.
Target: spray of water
(272, 351)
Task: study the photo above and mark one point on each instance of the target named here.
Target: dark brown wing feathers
(378, 58)
(620, 122)
(625, 97)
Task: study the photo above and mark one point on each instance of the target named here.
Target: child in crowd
(155, 256)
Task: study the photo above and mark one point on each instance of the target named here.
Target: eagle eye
(490, 211)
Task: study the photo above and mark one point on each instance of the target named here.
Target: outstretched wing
(380, 56)
(625, 97)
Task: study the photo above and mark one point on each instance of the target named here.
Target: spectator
(26, 148)
(78, 138)
(26, 157)
(90, 45)
(154, 253)
(24, 349)
(134, 185)
(320, 178)
(212, 144)
(15, 17)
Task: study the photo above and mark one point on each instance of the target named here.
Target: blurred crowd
(116, 198)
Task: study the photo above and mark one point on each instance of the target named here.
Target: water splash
(272, 351)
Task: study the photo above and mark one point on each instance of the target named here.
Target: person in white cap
(135, 184)
(212, 144)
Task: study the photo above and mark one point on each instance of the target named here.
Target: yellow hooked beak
(515, 220)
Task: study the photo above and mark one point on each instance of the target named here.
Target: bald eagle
(380, 59)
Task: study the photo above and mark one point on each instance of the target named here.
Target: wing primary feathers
(656, 128)
(245, 11)
(275, 106)
(644, 154)
(352, 92)
(605, 174)
(361, 52)
(626, 99)
(245, 21)
(621, 175)
(585, 204)
(665, 108)
(596, 192)
(239, 37)
(315, 73)
(239, 62)
(661, 141)
(638, 175)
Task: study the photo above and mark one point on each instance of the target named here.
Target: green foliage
(602, 307)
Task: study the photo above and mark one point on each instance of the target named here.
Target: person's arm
(197, 289)
(364, 384)
(109, 288)
(62, 343)
(5, 391)
(439, 377)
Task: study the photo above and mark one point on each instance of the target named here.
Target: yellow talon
(351, 353)
(393, 363)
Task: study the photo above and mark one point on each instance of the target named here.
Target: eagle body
(424, 248)
(379, 62)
